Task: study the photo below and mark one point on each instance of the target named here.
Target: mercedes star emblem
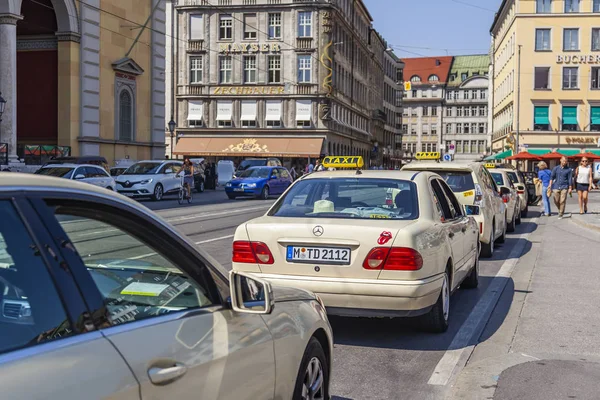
(318, 230)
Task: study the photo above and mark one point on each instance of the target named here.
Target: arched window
(434, 78)
(125, 116)
(415, 78)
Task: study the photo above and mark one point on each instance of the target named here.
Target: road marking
(449, 363)
(210, 214)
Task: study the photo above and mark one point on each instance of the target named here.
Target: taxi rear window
(513, 177)
(498, 178)
(349, 198)
(459, 181)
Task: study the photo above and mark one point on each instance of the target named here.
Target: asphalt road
(373, 358)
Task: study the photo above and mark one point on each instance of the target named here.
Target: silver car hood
(283, 293)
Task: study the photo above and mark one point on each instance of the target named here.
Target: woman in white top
(584, 182)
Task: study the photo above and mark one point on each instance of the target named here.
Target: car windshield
(498, 178)
(256, 173)
(459, 181)
(244, 165)
(360, 198)
(60, 172)
(145, 168)
(513, 177)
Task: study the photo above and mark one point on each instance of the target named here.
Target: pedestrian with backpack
(584, 182)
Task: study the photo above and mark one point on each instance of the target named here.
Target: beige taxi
(368, 243)
(510, 196)
(473, 185)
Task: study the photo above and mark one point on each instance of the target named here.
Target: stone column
(8, 81)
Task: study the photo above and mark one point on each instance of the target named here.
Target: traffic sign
(447, 157)
(451, 146)
(407, 86)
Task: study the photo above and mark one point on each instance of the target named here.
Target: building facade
(424, 103)
(393, 90)
(559, 102)
(465, 124)
(281, 78)
(82, 78)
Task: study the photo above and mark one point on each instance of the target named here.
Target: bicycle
(182, 195)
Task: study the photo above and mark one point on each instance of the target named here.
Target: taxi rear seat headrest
(323, 206)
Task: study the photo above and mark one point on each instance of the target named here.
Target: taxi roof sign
(428, 155)
(343, 162)
(490, 165)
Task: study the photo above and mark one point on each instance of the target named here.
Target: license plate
(128, 194)
(238, 189)
(323, 255)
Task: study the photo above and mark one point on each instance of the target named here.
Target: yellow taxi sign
(490, 165)
(343, 162)
(428, 155)
(407, 86)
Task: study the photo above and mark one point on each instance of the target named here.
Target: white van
(225, 171)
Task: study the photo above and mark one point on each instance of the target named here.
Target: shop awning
(541, 115)
(248, 110)
(224, 110)
(568, 152)
(595, 114)
(539, 152)
(273, 110)
(195, 110)
(593, 151)
(303, 110)
(503, 155)
(569, 115)
(234, 146)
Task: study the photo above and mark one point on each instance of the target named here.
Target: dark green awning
(539, 152)
(569, 115)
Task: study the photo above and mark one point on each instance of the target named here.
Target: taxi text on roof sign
(428, 155)
(343, 162)
(490, 165)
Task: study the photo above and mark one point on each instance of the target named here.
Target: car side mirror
(504, 191)
(79, 176)
(472, 210)
(250, 295)
(168, 171)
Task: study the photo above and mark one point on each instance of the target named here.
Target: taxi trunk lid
(323, 237)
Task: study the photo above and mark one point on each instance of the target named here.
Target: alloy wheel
(312, 387)
(445, 298)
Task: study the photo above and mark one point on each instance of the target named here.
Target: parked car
(121, 166)
(92, 174)
(98, 289)
(509, 196)
(518, 180)
(257, 162)
(259, 182)
(153, 179)
(90, 160)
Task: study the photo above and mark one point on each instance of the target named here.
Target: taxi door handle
(163, 376)
(451, 235)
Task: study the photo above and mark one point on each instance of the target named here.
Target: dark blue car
(260, 182)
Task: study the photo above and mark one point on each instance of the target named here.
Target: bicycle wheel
(180, 196)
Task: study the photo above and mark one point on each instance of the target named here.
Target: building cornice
(10, 19)
(68, 37)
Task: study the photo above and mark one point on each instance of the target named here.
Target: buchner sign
(578, 59)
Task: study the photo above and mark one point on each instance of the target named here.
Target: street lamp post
(172, 125)
(2, 105)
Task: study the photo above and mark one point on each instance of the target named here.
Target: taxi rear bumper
(367, 297)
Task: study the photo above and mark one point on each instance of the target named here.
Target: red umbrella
(524, 155)
(591, 156)
(552, 156)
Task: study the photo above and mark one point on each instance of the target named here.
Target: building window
(250, 27)
(196, 69)
(467, 111)
(448, 129)
(434, 129)
(225, 69)
(448, 112)
(596, 39)
(459, 146)
(274, 25)
(415, 79)
(464, 76)
(433, 78)
(425, 111)
(571, 6)
(570, 39)
(304, 68)
(273, 124)
(303, 124)
(459, 111)
(465, 94)
(482, 111)
(596, 6)
(305, 24)
(569, 118)
(595, 119)
(541, 120)
(449, 95)
(481, 146)
(570, 78)
(459, 128)
(413, 129)
(481, 128)
(274, 69)
(248, 124)
(125, 116)
(466, 128)
(414, 94)
(196, 27)
(543, 6)
(434, 111)
(541, 78)
(542, 40)
(473, 147)
(595, 77)
(455, 95)
(482, 94)
(250, 69)
(225, 27)
(195, 123)
(224, 124)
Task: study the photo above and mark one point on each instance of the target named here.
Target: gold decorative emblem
(247, 146)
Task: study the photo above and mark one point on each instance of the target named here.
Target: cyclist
(188, 176)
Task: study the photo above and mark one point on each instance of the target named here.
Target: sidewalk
(543, 340)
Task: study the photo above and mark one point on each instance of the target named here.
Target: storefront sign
(249, 90)
(249, 47)
(581, 140)
(577, 59)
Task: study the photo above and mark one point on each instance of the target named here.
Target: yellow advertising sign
(428, 155)
(343, 162)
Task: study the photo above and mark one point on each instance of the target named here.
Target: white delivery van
(225, 171)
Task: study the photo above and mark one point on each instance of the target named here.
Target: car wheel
(472, 280)
(525, 212)
(265, 193)
(313, 377)
(487, 249)
(158, 192)
(231, 196)
(511, 224)
(518, 220)
(200, 188)
(502, 237)
(436, 320)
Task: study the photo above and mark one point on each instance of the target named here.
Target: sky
(416, 28)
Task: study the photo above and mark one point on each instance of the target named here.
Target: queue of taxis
(367, 242)
(510, 196)
(473, 185)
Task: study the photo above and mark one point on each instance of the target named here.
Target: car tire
(518, 220)
(487, 249)
(511, 225)
(436, 320)
(158, 193)
(200, 187)
(525, 212)
(502, 237)
(314, 368)
(264, 195)
(231, 196)
(472, 280)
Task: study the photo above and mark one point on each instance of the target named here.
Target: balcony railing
(41, 154)
(3, 153)
(249, 2)
(304, 43)
(195, 46)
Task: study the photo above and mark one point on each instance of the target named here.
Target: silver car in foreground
(102, 299)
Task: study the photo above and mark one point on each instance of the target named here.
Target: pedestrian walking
(544, 175)
(584, 182)
(319, 166)
(561, 182)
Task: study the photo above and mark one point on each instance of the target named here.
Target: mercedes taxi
(473, 185)
(367, 242)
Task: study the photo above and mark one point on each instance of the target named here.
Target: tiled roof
(424, 67)
(471, 65)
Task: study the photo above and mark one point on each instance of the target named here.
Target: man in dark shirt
(561, 182)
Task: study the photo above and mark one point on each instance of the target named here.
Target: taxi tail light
(505, 198)
(393, 259)
(251, 253)
(481, 228)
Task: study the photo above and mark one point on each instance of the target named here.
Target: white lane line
(153, 254)
(211, 214)
(472, 326)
